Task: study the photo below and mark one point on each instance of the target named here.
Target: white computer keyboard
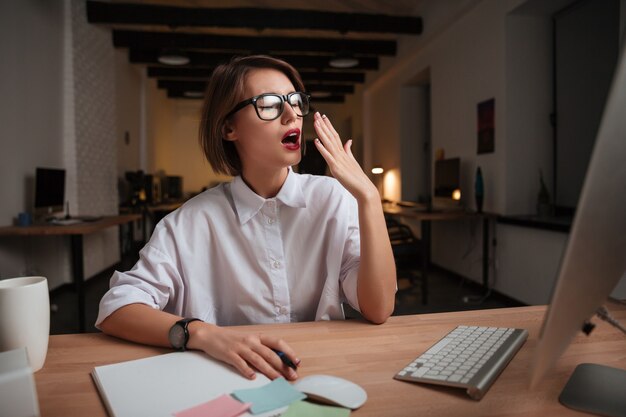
(469, 357)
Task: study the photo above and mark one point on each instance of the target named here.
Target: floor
(447, 292)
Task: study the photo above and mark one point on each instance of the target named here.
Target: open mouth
(291, 140)
(291, 137)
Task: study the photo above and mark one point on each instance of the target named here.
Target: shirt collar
(248, 203)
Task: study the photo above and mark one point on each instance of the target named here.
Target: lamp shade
(173, 57)
(320, 94)
(344, 60)
(193, 94)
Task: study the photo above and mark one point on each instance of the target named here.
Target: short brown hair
(224, 90)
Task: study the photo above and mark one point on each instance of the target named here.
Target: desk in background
(76, 233)
(366, 354)
(426, 218)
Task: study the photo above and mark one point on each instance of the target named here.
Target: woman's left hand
(340, 160)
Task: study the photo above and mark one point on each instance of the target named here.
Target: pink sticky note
(222, 406)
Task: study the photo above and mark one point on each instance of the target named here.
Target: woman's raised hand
(340, 160)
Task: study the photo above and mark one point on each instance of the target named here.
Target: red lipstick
(291, 139)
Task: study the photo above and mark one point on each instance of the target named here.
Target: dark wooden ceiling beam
(183, 85)
(201, 59)
(205, 73)
(331, 88)
(250, 44)
(258, 18)
(177, 93)
(201, 86)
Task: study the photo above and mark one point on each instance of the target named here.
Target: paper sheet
(222, 406)
(162, 385)
(278, 393)
(306, 409)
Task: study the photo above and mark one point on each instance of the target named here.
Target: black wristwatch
(179, 334)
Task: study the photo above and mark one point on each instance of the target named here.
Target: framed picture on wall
(486, 126)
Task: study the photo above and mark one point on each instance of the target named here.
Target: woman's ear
(228, 132)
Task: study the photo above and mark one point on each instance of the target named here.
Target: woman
(271, 246)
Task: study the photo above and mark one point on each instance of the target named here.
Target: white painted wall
(527, 262)
(57, 110)
(31, 117)
(529, 104)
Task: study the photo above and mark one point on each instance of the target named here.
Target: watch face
(177, 336)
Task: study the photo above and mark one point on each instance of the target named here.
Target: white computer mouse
(332, 390)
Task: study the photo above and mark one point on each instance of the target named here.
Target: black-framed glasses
(270, 106)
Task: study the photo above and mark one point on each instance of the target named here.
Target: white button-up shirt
(231, 257)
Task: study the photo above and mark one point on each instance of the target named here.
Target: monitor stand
(596, 389)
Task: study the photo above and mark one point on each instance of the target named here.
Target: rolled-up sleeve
(154, 281)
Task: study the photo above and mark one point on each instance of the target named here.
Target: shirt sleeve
(351, 257)
(153, 281)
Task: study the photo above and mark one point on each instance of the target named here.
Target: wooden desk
(426, 218)
(75, 232)
(366, 354)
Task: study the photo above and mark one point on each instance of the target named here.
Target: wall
(529, 105)
(31, 124)
(31, 111)
(495, 49)
(172, 139)
(128, 86)
(58, 110)
(467, 64)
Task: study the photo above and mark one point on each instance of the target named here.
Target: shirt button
(270, 221)
(276, 264)
(283, 310)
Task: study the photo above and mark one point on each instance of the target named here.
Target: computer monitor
(49, 191)
(447, 183)
(595, 257)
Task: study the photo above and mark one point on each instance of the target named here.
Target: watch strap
(184, 323)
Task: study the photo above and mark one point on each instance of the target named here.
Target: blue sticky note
(276, 394)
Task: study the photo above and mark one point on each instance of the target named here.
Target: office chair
(407, 254)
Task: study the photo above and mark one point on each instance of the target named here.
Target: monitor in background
(175, 187)
(595, 257)
(49, 191)
(447, 193)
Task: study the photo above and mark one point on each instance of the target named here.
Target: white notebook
(166, 384)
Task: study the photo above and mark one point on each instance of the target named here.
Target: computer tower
(152, 187)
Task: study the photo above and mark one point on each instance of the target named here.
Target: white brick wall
(93, 87)
(89, 126)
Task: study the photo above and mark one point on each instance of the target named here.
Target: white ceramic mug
(25, 317)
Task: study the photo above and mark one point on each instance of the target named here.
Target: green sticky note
(306, 409)
(276, 394)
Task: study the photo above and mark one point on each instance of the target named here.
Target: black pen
(285, 359)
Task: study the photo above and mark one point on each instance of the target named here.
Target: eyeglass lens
(270, 106)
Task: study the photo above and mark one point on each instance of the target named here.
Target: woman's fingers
(261, 363)
(330, 126)
(247, 352)
(329, 138)
(279, 345)
(348, 147)
(327, 156)
(240, 364)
